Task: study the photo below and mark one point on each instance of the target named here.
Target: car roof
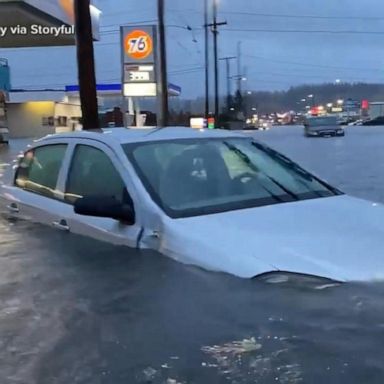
(135, 135)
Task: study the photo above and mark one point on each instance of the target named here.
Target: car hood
(341, 238)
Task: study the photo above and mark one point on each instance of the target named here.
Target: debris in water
(149, 373)
(234, 348)
(172, 381)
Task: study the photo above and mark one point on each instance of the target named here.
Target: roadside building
(39, 113)
(376, 109)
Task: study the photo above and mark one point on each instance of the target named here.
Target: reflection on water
(75, 310)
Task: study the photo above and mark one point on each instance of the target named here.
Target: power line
(130, 23)
(288, 16)
(190, 70)
(314, 65)
(335, 32)
(324, 78)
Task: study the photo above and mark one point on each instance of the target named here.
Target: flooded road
(73, 310)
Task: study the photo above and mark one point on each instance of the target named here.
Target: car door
(95, 170)
(34, 195)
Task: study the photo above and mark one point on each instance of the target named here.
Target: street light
(329, 105)
(340, 101)
(303, 100)
(313, 99)
(337, 81)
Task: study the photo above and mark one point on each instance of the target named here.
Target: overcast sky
(278, 49)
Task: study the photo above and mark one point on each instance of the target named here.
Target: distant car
(215, 199)
(4, 135)
(356, 122)
(257, 127)
(376, 121)
(346, 121)
(322, 126)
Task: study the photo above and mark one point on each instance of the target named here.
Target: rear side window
(92, 173)
(39, 169)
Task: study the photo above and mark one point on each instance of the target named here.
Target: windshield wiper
(281, 186)
(295, 167)
(245, 158)
(288, 162)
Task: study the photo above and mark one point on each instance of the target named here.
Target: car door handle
(62, 225)
(13, 208)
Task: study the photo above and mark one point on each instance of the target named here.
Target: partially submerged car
(214, 199)
(322, 126)
(377, 121)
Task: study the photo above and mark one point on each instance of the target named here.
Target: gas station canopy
(40, 23)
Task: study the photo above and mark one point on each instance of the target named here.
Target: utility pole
(86, 65)
(206, 59)
(215, 32)
(164, 120)
(228, 68)
(239, 80)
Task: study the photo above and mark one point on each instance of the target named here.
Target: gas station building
(46, 23)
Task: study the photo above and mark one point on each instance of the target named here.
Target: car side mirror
(105, 206)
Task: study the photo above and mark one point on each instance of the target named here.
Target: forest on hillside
(282, 101)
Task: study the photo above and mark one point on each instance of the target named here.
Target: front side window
(39, 169)
(195, 177)
(92, 173)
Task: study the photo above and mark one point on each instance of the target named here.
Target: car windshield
(318, 122)
(196, 177)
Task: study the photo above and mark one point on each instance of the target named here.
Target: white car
(214, 199)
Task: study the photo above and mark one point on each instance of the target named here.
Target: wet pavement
(73, 310)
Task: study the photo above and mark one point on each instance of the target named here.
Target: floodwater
(73, 310)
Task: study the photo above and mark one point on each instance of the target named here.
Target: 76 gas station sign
(139, 73)
(138, 44)
(139, 60)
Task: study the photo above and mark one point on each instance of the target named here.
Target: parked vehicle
(322, 126)
(357, 122)
(258, 127)
(215, 199)
(376, 121)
